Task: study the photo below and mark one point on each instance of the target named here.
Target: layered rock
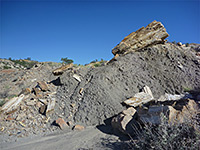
(154, 33)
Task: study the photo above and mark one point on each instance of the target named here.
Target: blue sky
(48, 30)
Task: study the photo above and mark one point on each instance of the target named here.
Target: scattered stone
(30, 103)
(62, 124)
(69, 123)
(44, 101)
(43, 109)
(78, 127)
(77, 77)
(171, 97)
(20, 116)
(51, 105)
(179, 44)
(81, 91)
(25, 91)
(37, 92)
(154, 33)
(43, 86)
(22, 124)
(59, 71)
(12, 104)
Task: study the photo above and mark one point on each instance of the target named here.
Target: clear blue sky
(47, 30)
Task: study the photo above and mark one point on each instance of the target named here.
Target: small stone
(78, 127)
(30, 103)
(43, 86)
(43, 109)
(37, 92)
(73, 105)
(62, 124)
(25, 91)
(69, 123)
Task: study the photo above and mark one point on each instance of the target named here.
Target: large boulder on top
(154, 33)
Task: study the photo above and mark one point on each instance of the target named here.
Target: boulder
(154, 33)
(60, 70)
(122, 122)
(190, 110)
(153, 115)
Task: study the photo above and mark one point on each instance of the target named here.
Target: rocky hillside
(46, 96)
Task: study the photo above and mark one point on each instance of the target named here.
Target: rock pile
(177, 110)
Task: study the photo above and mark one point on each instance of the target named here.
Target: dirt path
(90, 138)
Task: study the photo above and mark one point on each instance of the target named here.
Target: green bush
(25, 63)
(66, 60)
(6, 67)
(2, 102)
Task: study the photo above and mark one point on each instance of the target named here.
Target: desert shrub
(6, 67)
(25, 63)
(2, 102)
(187, 44)
(165, 136)
(66, 60)
(174, 42)
(97, 65)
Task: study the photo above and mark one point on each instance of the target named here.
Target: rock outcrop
(154, 33)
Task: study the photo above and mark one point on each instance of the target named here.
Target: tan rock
(25, 91)
(59, 71)
(12, 104)
(190, 110)
(122, 121)
(78, 127)
(43, 109)
(154, 33)
(43, 86)
(138, 99)
(130, 111)
(37, 92)
(51, 104)
(62, 124)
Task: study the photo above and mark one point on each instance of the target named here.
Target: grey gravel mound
(165, 68)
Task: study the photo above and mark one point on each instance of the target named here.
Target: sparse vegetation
(66, 60)
(169, 137)
(27, 63)
(187, 44)
(174, 42)
(6, 67)
(2, 102)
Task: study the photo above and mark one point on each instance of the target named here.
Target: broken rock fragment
(78, 127)
(43, 86)
(140, 98)
(51, 105)
(62, 124)
(59, 71)
(123, 120)
(154, 33)
(12, 104)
